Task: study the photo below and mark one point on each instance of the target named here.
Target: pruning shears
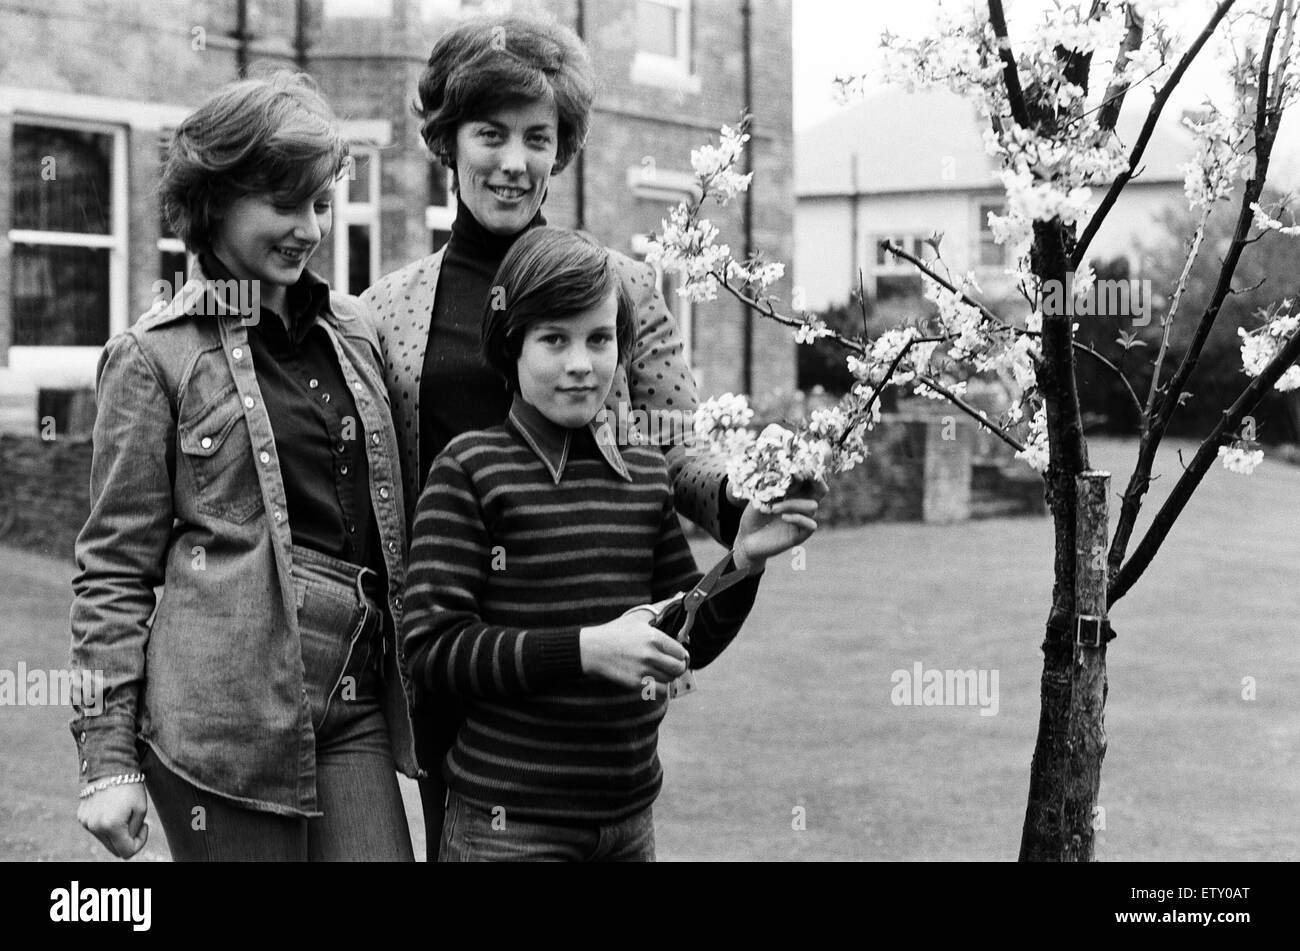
(676, 615)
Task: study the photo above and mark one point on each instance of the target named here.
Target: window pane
(359, 177)
(431, 10)
(164, 149)
(992, 255)
(60, 296)
(172, 269)
(985, 211)
(358, 8)
(892, 286)
(439, 177)
(359, 277)
(656, 28)
(62, 180)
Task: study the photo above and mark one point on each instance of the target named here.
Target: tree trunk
(1066, 771)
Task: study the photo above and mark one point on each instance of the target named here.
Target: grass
(795, 720)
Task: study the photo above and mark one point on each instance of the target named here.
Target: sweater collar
(553, 443)
(471, 239)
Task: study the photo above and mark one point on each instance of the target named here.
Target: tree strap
(1089, 630)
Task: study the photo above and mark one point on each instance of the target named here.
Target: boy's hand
(627, 649)
(769, 530)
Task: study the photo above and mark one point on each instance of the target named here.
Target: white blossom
(722, 412)
(1036, 449)
(1260, 346)
(1240, 460)
(714, 164)
(1266, 222)
(813, 328)
(1219, 161)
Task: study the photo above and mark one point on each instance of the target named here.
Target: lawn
(792, 748)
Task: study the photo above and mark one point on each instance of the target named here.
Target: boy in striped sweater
(532, 544)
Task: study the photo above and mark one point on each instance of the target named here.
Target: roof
(934, 140)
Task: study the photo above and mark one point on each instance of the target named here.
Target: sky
(838, 37)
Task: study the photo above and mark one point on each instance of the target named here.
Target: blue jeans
(472, 833)
(356, 782)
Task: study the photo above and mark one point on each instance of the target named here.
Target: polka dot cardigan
(655, 386)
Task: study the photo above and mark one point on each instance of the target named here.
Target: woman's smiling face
(504, 161)
(267, 238)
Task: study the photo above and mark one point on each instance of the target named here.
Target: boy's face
(567, 365)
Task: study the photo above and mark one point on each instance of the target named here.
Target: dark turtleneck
(458, 390)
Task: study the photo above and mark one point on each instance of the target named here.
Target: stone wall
(918, 470)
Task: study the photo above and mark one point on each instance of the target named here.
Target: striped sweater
(524, 534)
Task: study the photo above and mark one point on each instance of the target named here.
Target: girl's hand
(769, 530)
(116, 817)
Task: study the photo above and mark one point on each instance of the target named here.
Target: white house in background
(903, 166)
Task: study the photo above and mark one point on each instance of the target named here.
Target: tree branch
(1168, 323)
(1144, 136)
(989, 315)
(765, 309)
(1010, 74)
(1195, 472)
(1167, 402)
(1110, 365)
(1113, 100)
(972, 412)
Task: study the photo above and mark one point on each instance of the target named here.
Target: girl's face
(567, 365)
(263, 238)
(504, 161)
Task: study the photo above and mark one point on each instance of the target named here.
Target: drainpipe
(747, 328)
(580, 161)
(300, 36)
(241, 39)
(854, 238)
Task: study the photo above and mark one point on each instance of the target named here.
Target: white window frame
(440, 217)
(51, 363)
(982, 205)
(669, 72)
(892, 266)
(348, 213)
(56, 366)
(657, 184)
(356, 9)
(171, 245)
(433, 11)
(685, 308)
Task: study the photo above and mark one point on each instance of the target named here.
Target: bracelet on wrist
(123, 779)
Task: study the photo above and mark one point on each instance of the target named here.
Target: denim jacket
(186, 493)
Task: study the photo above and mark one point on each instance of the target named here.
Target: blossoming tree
(1051, 129)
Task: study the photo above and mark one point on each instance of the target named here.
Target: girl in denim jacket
(244, 460)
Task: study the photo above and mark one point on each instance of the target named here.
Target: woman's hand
(767, 530)
(627, 650)
(116, 817)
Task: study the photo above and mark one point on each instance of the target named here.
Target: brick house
(88, 92)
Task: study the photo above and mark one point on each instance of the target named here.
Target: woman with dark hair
(245, 460)
(505, 103)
